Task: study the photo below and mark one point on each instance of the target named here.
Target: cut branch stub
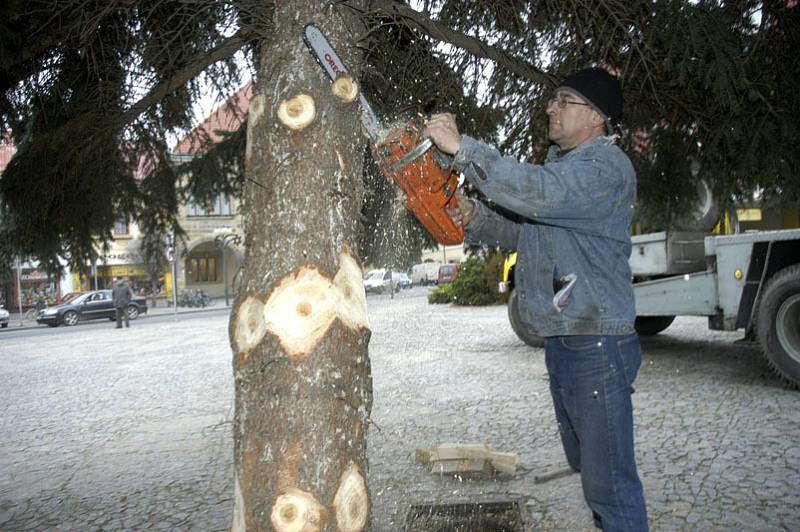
(299, 311)
(298, 112)
(352, 300)
(297, 511)
(302, 307)
(254, 113)
(351, 501)
(345, 88)
(249, 326)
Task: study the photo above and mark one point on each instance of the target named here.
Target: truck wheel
(652, 325)
(779, 324)
(521, 329)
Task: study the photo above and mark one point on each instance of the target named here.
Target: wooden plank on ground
(463, 465)
(466, 457)
(453, 451)
(505, 463)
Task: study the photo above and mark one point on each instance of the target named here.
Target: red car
(66, 298)
(448, 272)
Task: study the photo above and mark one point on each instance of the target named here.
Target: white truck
(425, 273)
(748, 281)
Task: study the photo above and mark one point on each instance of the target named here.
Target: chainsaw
(402, 154)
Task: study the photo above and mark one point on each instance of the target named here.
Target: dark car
(89, 306)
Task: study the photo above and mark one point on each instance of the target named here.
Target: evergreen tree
(91, 91)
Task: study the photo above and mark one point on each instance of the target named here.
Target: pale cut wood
(505, 463)
(297, 511)
(423, 454)
(298, 112)
(453, 451)
(463, 465)
(345, 88)
(351, 501)
(466, 457)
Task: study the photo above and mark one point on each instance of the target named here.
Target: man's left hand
(463, 211)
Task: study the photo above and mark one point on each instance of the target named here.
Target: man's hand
(465, 210)
(442, 130)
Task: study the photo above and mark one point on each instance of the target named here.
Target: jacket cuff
(472, 229)
(465, 152)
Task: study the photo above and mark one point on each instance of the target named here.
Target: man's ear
(597, 120)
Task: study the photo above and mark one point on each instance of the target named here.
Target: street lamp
(171, 258)
(224, 241)
(19, 289)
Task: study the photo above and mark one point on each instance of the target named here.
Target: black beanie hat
(600, 89)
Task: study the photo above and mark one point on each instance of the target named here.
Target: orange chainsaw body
(408, 158)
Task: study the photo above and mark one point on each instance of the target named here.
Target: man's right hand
(442, 130)
(464, 210)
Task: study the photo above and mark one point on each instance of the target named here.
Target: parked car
(92, 305)
(448, 272)
(404, 281)
(382, 280)
(4, 317)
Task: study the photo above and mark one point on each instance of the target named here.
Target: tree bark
(299, 329)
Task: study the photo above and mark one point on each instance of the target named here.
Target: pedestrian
(41, 301)
(572, 235)
(122, 294)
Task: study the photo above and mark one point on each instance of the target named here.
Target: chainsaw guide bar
(403, 155)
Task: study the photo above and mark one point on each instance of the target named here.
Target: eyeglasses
(562, 101)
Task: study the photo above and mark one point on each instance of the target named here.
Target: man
(122, 294)
(572, 275)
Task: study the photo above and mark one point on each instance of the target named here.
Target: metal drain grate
(473, 517)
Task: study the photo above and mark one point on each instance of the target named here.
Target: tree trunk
(299, 328)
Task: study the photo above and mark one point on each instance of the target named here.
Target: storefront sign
(121, 258)
(33, 276)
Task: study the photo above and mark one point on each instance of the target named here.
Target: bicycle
(30, 314)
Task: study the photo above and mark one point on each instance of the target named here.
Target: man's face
(572, 120)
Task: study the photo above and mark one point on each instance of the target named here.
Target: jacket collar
(554, 153)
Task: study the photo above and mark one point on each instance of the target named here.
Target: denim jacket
(576, 212)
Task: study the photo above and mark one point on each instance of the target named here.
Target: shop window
(221, 206)
(202, 269)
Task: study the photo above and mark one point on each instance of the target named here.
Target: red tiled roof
(226, 117)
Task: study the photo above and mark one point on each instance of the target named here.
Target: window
(202, 269)
(221, 206)
(121, 226)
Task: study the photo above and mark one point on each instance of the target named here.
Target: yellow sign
(748, 215)
(131, 270)
(168, 285)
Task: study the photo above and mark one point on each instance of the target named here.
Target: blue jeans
(591, 381)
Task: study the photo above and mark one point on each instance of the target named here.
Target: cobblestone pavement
(109, 430)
